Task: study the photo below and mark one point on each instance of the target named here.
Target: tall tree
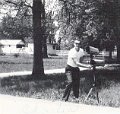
(38, 70)
(37, 10)
(110, 10)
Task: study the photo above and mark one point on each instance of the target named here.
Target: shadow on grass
(52, 87)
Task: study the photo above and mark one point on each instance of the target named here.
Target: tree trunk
(45, 55)
(118, 53)
(110, 55)
(117, 3)
(38, 69)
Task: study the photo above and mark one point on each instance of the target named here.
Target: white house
(11, 46)
(51, 49)
(17, 46)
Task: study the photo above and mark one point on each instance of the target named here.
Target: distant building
(51, 49)
(11, 46)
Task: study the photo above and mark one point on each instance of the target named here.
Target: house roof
(11, 42)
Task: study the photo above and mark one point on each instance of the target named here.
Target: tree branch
(16, 4)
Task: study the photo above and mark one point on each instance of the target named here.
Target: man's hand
(89, 66)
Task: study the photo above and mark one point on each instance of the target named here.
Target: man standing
(72, 71)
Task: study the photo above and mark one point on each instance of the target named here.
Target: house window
(1, 46)
(18, 46)
(53, 46)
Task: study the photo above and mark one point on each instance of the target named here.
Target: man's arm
(79, 64)
(83, 65)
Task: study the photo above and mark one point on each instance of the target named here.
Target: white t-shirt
(73, 54)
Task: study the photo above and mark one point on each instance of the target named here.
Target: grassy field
(24, 62)
(53, 87)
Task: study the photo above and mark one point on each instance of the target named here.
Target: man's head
(77, 44)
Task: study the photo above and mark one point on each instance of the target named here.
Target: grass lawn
(25, 63)
(53, 87)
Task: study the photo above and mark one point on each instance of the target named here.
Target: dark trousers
(73, 79)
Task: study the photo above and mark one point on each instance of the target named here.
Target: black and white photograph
(59, 56)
